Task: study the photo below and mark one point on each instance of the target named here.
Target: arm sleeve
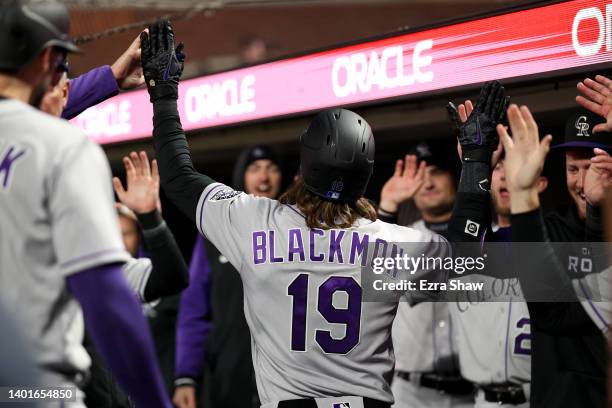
(542, 277)
(169, 274)
(179, 179)
(472, 210)
(119, 331)
(85, 227)
(195, 317)
(90, 89)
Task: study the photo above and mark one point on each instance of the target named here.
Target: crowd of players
(60, 244)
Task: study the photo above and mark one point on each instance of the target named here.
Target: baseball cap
(438, 153)
(579, 132)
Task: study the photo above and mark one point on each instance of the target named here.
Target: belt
(311, 403)
(453, 385)
(504, 393)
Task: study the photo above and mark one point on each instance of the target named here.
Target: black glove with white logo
(162, 63)
(477, 135)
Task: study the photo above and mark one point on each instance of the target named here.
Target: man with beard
(429, 378)
(59, 244)
(213, 339)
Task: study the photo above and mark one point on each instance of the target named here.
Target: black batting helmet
(337, 155)
(27, 28)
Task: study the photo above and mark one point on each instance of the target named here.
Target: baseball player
(59, 242)
(314, 342)
(577, 346)
(431, 377)
(494, 333)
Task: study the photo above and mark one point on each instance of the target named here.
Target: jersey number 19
(350, 317)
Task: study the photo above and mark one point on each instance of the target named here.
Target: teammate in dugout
(163, 273)
(50, 263)
(300, 258)
(213, 339)
(431, 377)
(580, 380)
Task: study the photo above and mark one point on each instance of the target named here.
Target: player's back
(313, 335)
(46, 166)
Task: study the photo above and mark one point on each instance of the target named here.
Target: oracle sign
(537, 40)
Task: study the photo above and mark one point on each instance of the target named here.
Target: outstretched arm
(169, 274)
(162, 65)
(478, 144)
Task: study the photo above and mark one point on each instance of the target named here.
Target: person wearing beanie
(213, 342)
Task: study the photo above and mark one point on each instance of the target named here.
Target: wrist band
(382, 211)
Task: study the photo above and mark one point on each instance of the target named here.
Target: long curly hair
(322, 214)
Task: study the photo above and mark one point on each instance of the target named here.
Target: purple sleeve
(120, 333)
(194, 316)
(90, 89)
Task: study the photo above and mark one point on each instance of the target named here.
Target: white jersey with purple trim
(594, 292)
(56, 218)
(312, 336)
(494, 336)
(425, 327)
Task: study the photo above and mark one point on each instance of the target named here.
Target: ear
(65, 92)
(44, 59)
(542, 184)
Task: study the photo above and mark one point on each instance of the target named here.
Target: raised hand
(596, 96)
(598, 178)
(403, 185)
(525, 156)
(465, 110)
(162, 63)
(142, 193)
(475, 130)
(127, 69)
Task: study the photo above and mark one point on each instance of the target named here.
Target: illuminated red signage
(545, 39)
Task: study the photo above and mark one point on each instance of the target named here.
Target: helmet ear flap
(337, 155)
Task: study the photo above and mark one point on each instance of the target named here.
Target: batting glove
(477, 135)
(162, 63)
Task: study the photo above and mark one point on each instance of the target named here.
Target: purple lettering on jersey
(351, 316)
(522, 342)
(394, 253)
(335, 247)
(296, 245)
(259, 247)
(313, 257)
(359, 248)
(7, 162)
(298, 289)
(273, 259)
(380, 243)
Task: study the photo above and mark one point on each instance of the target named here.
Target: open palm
(142, 192)
(404, 184)
(525, 153)
(596, 96)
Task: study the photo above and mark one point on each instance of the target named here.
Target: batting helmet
(337, 155)
(27, 28)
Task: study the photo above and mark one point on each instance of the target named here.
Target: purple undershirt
(90, 89)
(194, 322)
(120, 333)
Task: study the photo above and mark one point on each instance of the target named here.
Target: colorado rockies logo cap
(579, 132)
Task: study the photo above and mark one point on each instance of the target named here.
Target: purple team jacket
(194, 322)
(90, 89)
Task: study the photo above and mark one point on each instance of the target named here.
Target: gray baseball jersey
(600, 308)
(494, 337)
(425, 327)
(312, 336)
(56, 219)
